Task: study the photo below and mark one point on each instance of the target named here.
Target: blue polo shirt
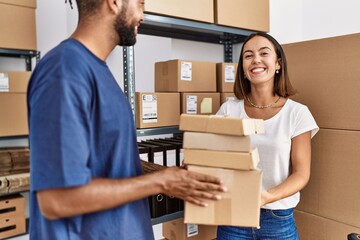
(81, 127)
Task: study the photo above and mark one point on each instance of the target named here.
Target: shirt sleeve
(305, 122)
(59, 115)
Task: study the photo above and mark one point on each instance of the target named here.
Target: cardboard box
(232, 160)
(17, 24)
(221, 124)
(227, 96)
(333, 191)
(330, 89)
(200, 103)
(157, 109)
(239, 206)
(185, 76)
(312, 227)
(12, 205)
(218, 142)
(225, 76)
(12, 226)
(199, 10)
(246, 14)
(13, 117)
(178, 230)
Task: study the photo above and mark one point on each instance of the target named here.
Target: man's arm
(101, 194)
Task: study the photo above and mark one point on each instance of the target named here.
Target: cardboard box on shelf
(339, 76)
(12, 226)
(17, 24)
(200, 103)
(334, 172)
(178, 230)
(185, 76)
(12, 205)
(246, 14)
(311, 227)
(221, 125)
(13, 117)
(221, 159)
(218, 142)
(199, 10)
(157, 109)
(225, 76)
(239, 206)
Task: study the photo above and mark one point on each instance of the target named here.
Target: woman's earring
(277, 71)
(244, 76)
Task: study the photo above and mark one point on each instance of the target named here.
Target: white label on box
(192, 230)
(230, 73)
(191, 104)
(4, 82)
(186, 71)
(149, 108)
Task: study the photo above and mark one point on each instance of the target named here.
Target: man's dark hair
(87, 7)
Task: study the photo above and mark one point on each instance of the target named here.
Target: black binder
(172, 203)
(157, 202)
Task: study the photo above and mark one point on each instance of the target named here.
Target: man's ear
(114, 5)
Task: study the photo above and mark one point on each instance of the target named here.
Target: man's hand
(190, 186)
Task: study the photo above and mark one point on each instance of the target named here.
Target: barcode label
(192, 230)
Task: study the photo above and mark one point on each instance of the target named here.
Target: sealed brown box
(221, 124)
(221, 159)
(17, 24)
(227, 96)
(12, 205)
(200, 103)
(13, 117)
(157, 109)
(185, 76)
(312, 227)
(217, 142)
(333, 191)
(239, 206)
(225, 76)
(12, 226)
(330, 89)
(178, 230)
(199, 10)
(248, 14)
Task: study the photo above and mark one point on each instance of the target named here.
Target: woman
(263, 84)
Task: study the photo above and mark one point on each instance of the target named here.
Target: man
(86, 177)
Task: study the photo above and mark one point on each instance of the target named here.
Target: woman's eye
(264, 54)
(247, 56)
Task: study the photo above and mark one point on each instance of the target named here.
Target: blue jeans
(274, 225)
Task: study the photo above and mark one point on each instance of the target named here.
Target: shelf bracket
(228, 47)
(129, 76)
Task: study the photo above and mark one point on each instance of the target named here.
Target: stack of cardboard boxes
(183, 86)
(220, 146)
(329, 207)
(12, 216)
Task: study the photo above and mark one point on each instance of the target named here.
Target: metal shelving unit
(163, 26)
(28, 55)
(20, 53)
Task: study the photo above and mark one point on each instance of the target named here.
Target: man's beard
(126, 33)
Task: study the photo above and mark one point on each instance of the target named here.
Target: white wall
(301, 20)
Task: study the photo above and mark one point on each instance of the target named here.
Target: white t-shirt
(275, 144)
